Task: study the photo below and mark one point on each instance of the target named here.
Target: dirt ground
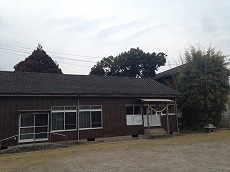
(186, 152)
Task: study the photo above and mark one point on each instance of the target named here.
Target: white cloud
(108, 27)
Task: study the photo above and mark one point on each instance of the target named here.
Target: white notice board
(134, 120)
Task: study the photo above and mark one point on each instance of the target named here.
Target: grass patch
(14, 161)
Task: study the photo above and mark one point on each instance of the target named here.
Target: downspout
(78, 132)
(167, 118)
(148, 122)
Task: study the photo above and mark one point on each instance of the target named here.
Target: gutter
(69, 95)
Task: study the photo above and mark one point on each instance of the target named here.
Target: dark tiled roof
(20, 83)
(170, 72)
(174, 71)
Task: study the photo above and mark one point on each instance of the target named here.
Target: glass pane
(27, 136)
(41, 119)
(27, 120)
(70, 108)
(27, 130)
(70, 120)
(171, 109)
(57, 108)
(84, 107)
(40, 129)
(96, 119)
(24, 135)
(41, 136)
(95, 107)
(164, 111)
(137, 109)
(70, 126)
(84, 119)
(158, 107)
(129, 110)
(58, 121)
(42, 132)
(145, 110)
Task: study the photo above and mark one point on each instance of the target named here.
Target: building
(45, 107)
(170, 77)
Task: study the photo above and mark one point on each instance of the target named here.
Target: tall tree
(204, 87)
(38, 61)
(133, 63)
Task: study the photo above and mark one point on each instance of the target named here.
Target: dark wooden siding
(113, 113)
(172, 123)
(113, 116)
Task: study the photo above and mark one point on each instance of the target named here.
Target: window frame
(87, 108)
(34, 126)
(91, 110)
(134, 119)
(133, 106)
(63, 109)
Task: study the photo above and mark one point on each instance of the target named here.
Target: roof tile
(28, 83)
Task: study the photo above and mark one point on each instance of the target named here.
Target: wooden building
(170, 77)
(45, 107)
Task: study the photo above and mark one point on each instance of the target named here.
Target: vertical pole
(50, 136)
(17, 138)
(148, 121)
(78, 132)
(167, 118)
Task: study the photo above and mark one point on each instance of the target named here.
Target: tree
(204, 87)
(38, 61)
(133, 63)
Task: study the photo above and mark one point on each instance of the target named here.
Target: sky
(78, 33)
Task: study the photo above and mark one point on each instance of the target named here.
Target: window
(133, 115)
(70, 120)
(96, 119)
(84, 119)
(33, 126)
(133, 110)
(129, 110)
(64, 118)
(57, 120)
(171, 108)
(90, 117)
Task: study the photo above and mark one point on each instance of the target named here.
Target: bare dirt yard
(186, 152)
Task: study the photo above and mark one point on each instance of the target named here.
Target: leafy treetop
(133, 63)
(38, 61)
(204, 88)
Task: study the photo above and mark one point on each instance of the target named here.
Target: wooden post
(148, 121)
(167, 118)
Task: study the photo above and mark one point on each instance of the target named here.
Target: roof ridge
(80, 75)
(31, 83)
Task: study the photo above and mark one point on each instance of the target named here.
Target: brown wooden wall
(113, 116)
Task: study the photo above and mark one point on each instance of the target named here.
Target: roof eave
(88, 95)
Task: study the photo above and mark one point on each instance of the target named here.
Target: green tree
(38, 61)
(204, 88)
(133, 63)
